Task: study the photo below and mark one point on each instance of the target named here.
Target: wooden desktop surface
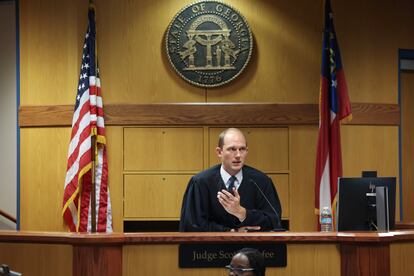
(190, 237)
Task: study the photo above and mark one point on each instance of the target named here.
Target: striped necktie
(231, 184)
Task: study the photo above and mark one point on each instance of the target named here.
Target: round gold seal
(209, 43)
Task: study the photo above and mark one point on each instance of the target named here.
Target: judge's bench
(156, 253)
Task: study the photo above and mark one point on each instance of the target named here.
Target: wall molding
(258, 114)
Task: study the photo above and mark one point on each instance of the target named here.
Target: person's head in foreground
(247, 262)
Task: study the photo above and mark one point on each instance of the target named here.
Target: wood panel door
(407, 143)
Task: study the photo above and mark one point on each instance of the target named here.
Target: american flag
(87, 122)
(334, 106)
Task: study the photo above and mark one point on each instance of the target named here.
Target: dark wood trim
(190, 114)
(97, 260)
(365, 259)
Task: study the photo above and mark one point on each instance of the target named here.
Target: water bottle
(326, 219)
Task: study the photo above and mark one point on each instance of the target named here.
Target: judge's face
(234, 152)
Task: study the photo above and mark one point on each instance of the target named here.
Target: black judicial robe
(201, 210)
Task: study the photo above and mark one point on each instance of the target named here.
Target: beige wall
(284, 68)
(8, 122)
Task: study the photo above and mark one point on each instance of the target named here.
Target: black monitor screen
(355, 210)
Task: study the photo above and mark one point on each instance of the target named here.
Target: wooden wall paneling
(37, 259)
(268, 148)
(364, 49)
(140, 260)
(43, 157)
(403, 13)
(282, 185)
(316, 259)
(163, 149)
(51, 37)
(131, 51)
(303, 142)
(154, 197)
(207, 150)
(371, 148)
(134, 64)
(307, 259)
(287, 41)
(401, 258)
(407, 138)
(114, 142)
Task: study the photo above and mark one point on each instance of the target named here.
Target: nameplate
(219, 255)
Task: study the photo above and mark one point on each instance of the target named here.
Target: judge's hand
(231, 203)
(248, 229)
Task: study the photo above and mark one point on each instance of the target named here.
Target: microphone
(271, 206)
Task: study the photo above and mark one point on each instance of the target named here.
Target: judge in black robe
(202, 211)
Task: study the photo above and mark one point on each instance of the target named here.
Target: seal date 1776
(209, 43)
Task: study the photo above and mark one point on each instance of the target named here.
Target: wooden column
(365, 259)
(90, 260)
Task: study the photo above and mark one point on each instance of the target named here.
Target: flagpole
(93, 188)
(93, 156)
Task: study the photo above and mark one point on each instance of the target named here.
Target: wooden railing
(7, 216)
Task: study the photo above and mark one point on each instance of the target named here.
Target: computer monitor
(356, 202)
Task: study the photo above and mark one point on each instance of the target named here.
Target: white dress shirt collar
(226, 176)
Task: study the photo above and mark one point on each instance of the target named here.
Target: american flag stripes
(334, 106)
(87, 138)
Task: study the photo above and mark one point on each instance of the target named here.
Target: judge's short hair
(223, 134)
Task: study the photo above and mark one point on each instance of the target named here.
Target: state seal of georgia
(209, 43)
